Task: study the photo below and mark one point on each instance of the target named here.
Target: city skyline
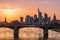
(33, 20)
(34, 15)
(27, 7)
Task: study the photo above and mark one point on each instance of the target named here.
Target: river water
(28, 34)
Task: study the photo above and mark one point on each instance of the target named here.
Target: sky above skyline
(28, 7)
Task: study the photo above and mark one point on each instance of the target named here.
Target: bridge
(17, 27)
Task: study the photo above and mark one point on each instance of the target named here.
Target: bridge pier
(45, 33)
(16, 33)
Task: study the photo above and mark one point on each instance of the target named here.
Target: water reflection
(27, 34)
(6, 33)
(31, 32)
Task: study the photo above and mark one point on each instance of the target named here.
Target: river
(28, 34)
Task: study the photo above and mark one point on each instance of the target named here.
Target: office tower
(40, 17)
(27, 19)
(49, 20)
(21, 19)
(45, 18)
(31, 20)
(35, 19)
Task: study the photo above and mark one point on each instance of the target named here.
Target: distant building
(40, 17)
(35, 19)
(46, 18)
(58, 22)
(21, 20)
(54, 19)
(15, 22)
(28, 19)
(4, 22)
(31, 20)
(49, 20)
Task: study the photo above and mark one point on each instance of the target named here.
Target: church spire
(54, 16)
(5, 20)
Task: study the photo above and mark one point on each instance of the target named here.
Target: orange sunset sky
(14, 9)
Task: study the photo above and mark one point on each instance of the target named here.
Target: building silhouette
(5, 20)
(54, 18)
(49, 20)
(40, 17)
(35, 19)
(31, 20)
(21, 20)
(15, 22)
(28, 19)
(45, 18)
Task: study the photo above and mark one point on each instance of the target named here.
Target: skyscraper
(28, 19)
(40, 17)
(49, 20)
(21, 20)
(35, 19)
(31, 20)
(45, 18)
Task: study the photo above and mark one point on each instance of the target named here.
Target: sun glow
(9, 12)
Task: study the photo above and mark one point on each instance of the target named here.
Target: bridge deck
(16, 29)
(22, 26)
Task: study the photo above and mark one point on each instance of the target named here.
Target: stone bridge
(17, 27)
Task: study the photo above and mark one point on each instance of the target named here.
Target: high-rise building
(40, 17)
(31, 20)
(28, 19)
(35, 19)
(21, 20)
(46, 18)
